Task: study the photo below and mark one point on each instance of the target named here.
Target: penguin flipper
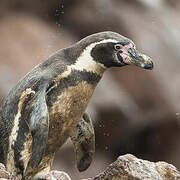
(39, 125)
(83, 139)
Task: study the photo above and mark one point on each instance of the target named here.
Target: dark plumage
(48, 105)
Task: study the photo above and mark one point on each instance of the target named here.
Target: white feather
(86, 61)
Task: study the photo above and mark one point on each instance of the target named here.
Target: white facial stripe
(86, 62)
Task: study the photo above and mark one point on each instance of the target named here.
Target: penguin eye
(117, 47)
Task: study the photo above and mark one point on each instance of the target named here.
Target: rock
(57, 175)
(53, 175)
(4, 175)
(128, 167)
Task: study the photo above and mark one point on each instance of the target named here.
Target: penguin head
(114, 50)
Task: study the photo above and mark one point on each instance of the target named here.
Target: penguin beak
(139, 59)
(130, 55)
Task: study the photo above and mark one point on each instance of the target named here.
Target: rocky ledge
(126, 167)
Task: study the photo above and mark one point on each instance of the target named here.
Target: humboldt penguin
(47, 106)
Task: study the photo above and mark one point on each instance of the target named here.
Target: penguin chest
(66, 112)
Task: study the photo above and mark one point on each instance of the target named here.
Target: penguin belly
(66, 112)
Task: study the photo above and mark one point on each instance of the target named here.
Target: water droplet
(177, 114)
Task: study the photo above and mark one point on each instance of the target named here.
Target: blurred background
(134, 111)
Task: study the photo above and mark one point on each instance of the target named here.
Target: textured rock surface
(58, 175)
(53, 175)
(128, 167)
(3, 173)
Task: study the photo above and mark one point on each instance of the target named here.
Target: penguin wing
(39, 124)
(83, 139)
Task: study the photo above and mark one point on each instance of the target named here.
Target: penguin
(48, 105)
